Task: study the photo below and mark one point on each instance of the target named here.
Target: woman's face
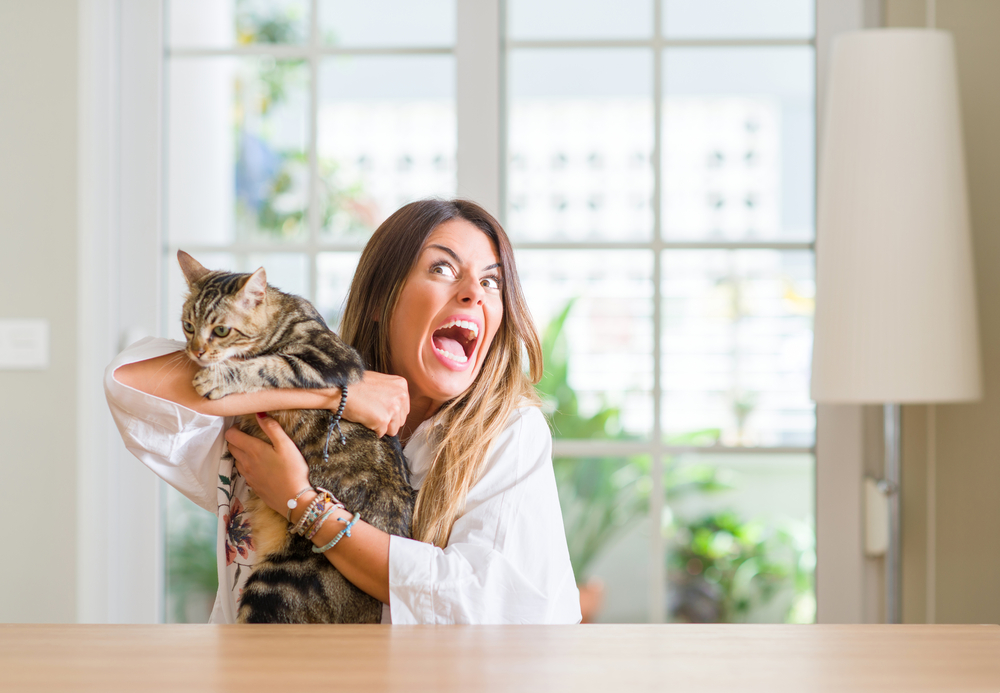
(448, 312)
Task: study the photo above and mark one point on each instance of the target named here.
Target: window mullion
(657, 564)
(313, 209)
(478, 102)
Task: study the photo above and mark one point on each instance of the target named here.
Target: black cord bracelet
(335, 423)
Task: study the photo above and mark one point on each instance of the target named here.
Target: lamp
(895, 297)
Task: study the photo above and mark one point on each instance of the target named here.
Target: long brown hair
(472, 420)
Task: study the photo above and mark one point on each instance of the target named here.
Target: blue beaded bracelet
(345, 531)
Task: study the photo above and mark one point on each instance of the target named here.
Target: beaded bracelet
(345, 531)
(315, 527)
(335, 423)
(294, 502)
(301, 524)
(323, 501)
(311, 516)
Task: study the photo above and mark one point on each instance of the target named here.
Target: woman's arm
(277, 473)
(507, 559)
(379, 402)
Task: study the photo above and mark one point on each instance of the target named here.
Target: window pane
(192, 576)
(288, 272)
(594, 313)
(741, 543)
(738, 18)
(605, 506)
(737, 345)
(580, 143)
(387, 22)
(580, 19)
(224, 23)
(387, 136)
(336, 270)
(738, 144)
(237, 161)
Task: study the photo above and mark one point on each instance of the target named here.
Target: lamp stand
(890, 486)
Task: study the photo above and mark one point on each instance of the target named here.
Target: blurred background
(658, 182)
(653, 162)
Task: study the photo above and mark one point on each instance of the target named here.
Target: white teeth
(465, 325)
(468, 325)
(462, 358)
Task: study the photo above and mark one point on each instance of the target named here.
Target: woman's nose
(472, 292)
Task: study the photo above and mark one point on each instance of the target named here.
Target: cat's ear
(253, 292)
(193, 270)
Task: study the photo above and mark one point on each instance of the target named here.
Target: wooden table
(606, 658)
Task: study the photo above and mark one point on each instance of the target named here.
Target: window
(292, 130)
(660, 188)
(657, 181)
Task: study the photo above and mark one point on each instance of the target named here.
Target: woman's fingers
(273, 430)
(237, 438)
(273, 471)
(379, 401)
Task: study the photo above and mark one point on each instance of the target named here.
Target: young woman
(488, 541)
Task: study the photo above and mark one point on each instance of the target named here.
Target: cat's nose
(201, 353)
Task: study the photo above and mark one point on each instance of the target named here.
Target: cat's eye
(188, 327)
(221, 331)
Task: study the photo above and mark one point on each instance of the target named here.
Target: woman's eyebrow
(446, 249)
(457, 259)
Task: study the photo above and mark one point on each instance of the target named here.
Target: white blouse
(506, 560)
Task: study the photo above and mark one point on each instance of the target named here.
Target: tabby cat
(249, 336)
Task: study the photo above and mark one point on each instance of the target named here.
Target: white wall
(38, 279)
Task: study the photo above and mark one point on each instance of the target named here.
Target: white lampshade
(895, 294)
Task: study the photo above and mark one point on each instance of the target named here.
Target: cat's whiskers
(175, 361)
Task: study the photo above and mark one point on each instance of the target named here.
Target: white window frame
(120, 564)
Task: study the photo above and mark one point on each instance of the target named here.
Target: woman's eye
(490, 282)
(221, 331)
(443, 270)
(188, 327)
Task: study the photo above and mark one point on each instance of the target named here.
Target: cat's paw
(211, 383)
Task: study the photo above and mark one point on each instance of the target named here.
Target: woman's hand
(276, 471)
(379, 402)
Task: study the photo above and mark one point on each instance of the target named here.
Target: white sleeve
(181, 446)
(507, 559)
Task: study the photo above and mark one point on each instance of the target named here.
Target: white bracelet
(294, 502)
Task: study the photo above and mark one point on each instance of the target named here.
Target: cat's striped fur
(248, 337)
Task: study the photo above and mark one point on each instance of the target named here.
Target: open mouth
(456, 340)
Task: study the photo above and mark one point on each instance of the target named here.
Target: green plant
(723, 569)
(192, 575)
(278, 25)
(720, 568)
(272, 184)
(603, 497)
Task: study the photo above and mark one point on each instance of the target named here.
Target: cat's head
(224, 314)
